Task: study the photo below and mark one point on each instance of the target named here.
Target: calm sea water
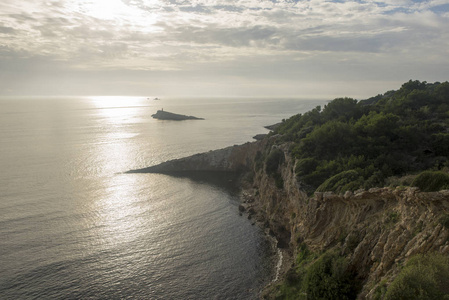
(73, 225)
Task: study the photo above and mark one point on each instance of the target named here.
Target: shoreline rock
(273, 126)
(260, 136)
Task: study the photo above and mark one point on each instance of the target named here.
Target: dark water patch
(228, 181)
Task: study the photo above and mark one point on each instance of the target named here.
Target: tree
(342, 109)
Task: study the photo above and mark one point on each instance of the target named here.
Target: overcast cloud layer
(221, 47)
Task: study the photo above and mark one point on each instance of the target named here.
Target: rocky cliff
(376, 230)
(230, 159)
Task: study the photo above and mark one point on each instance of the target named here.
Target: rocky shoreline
(284, 256)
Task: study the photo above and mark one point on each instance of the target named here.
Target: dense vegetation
(352, 144)
(423, 277)
(329, 276)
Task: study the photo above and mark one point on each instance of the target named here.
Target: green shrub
(274, 160)
(278, 180)
(393, 217)
(328, 140)
(376, 179)
(303, 254)
(429, 181)
(352, 241)
(380, 291)
(423, 277)
(258, 160)
(341, 109)
(440, 143)
(305, 166)
(330, 278)
(343, 181)
(395, 181)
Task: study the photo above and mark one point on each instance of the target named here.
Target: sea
(74, 225)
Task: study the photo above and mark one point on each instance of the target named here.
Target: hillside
(352, 144)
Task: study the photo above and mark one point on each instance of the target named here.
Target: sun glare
(111, 9)
(120, 13)
(116, 101)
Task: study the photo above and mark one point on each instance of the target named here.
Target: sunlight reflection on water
(119, 218)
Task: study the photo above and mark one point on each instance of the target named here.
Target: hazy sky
(220, 47)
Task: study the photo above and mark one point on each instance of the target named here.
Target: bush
(330, 278)
(440, 143)
(304, 255)
(423, 277)
(258, 160)
(344, 181)
(341, 109)
(429, 181)
(328, 141)
(274, 160)
(278, 180)
(393, 217)
(305, 166)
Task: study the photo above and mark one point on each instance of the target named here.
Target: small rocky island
(165, 115)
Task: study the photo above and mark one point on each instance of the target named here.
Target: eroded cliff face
(378, 230)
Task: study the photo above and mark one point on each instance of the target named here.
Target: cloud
(7, 30)
(224, 36)
(247, 38)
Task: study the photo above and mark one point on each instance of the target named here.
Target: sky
(288, 48)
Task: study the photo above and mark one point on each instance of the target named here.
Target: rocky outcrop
(231, 159)
(165, 115)
(274, 126)
(260, 136)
